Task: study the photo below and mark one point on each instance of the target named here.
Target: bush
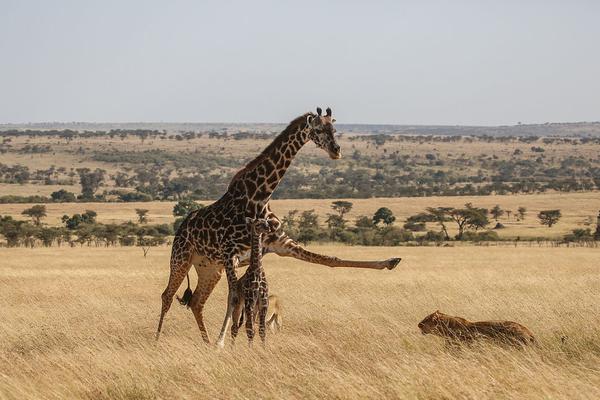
(415, 226)
(63, 196)
(134, 196)
(485, 236)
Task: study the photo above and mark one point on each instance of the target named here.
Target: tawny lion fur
(456, 329)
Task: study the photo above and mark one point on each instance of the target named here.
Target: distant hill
(567, 129)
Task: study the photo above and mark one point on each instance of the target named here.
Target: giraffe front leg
(232, 298)
(287, 247)
(249, 310)
(262, 318)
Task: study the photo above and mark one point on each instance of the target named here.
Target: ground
(80, 323)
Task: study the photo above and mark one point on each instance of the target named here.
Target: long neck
(255, 250)
(261, 176)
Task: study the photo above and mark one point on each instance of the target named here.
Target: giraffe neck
(260, 177)
(255, 251)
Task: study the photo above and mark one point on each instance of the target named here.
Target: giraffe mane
(268, 151)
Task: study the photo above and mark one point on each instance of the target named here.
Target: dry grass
(79, 323)
(577, 209)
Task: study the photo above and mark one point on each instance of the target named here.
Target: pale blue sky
(421, 62)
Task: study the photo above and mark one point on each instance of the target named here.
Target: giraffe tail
(187, 295)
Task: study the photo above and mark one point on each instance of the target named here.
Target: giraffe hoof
(393, 262)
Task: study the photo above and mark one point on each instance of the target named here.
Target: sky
(383, 62)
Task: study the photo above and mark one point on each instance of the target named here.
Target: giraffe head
(321, 132)
(259, 226)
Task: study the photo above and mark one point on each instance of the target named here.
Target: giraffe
(217, 238)
(253, 287)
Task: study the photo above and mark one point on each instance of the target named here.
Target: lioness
(456, 329)
(274, 318)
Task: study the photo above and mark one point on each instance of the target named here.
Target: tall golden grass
(80, 323)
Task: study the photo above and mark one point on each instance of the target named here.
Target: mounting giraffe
(253, 286)
(217, 237)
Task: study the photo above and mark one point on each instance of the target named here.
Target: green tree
(36, 213)
(90, 181)
(309, 226)
(342, 207)
(62, 196)
(521, 211)
(549, 217)
(469, 218)
(289, 223)
(441, 215)
(496, 212)
(142, 214)
(384, 215)
(184, 207)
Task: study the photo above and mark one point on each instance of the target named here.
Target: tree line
(471, 224)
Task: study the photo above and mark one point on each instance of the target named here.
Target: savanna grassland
(80, 323)
(378, 161)
(579, 210)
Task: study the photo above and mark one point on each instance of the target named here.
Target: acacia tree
(441, 215)
(549, 217)
(309, 226)
(521, 212)
(36, 213)
(142, 214)
(384, 215)
(90, 181)
(342, 207)
(497, 212)
(469, 218)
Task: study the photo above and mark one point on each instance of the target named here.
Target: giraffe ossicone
(216, 238)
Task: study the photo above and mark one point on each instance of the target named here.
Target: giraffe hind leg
(208, 277)
(180, 266)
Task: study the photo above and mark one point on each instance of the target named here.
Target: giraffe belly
(202, 261)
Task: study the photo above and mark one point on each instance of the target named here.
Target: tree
(549, 217)
(88, 217)
(309, 226)
(508, 212)
(497, 212)
(289, 221)
(36, 213)
(62, 196)
(336, 225)
(90, 181)
(469, 218)
(441, 215)
(142, 215)
(364, 222)
(342, 207)
(521, 212)
(184, 207)
(384, 215)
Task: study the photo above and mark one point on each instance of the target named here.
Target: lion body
(458, 329)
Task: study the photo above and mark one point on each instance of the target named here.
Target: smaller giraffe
(253, 287)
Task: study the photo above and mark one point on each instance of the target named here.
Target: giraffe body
(217, 237)
(253, 287)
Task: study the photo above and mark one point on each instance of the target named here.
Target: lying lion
(456, 329)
